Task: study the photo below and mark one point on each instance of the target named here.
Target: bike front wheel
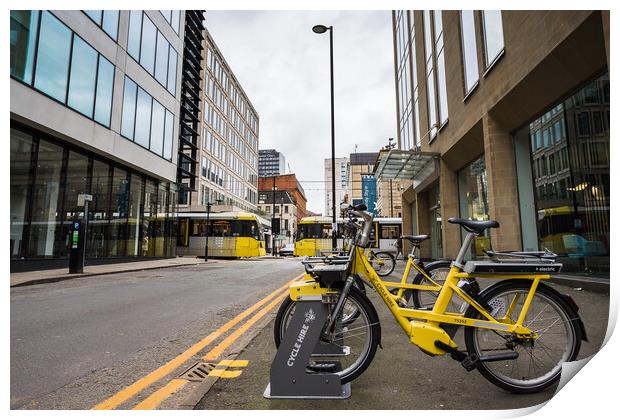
(383, 263)
(356, 337)
(540, 359)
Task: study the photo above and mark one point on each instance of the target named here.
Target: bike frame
(425, 334)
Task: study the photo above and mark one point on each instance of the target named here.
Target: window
(441, 69)
(143, 118)
(105, 87)
(204, 166)
(470, 51)
(23, 41)
(493, 35)
(53, 57)
(149, 47)
(129, 108)
(171, 84)
(435, 78)
(67, 68)
(161, 59)
(148, 44)
(83, 78)
(157, 128)
(169, 130)
(135, 29)
(106, 20)
(173, 17)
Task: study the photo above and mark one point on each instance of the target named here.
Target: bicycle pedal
(470, 362)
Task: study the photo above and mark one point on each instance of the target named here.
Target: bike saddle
(476, 226)
(416, 239)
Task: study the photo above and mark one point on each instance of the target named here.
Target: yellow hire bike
(518, 332)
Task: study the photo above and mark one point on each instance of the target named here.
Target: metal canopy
(405, 164)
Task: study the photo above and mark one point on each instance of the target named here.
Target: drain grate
(198, 372)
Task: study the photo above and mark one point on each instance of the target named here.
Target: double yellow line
(175, 384)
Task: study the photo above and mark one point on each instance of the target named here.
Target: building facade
(343, 184)
(280, 205)
(290, 185)
(504, 115)
(227, 152)
(94, 110)
(271, 162)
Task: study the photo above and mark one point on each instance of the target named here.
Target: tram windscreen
(314, 231)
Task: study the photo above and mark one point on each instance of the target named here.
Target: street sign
(82, 198)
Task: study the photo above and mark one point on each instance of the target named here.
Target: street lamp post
(207, 232)
(208, 204)
(321, 29)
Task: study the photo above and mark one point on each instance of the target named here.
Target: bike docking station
(292, 375)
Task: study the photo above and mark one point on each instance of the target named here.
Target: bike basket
(327, 270)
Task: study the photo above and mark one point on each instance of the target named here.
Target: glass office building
(94, 110)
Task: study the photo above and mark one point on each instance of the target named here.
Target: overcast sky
(284, 69)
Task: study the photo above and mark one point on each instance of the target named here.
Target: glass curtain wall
(46, 178)
(569, 171)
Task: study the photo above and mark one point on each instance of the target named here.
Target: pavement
(30, 278)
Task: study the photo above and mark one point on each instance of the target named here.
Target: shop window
(570, 212)
(473, 200)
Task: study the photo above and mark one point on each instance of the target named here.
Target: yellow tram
(314, 234)
(231, 234)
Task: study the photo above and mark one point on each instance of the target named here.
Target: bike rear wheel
(539, 364)
(360, 335)
(437, 271)
(383, 263)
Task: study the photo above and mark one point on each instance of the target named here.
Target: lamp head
(319, 29)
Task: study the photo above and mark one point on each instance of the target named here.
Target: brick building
(504, 115)
(286, 183)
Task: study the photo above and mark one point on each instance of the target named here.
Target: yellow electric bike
(518, 332)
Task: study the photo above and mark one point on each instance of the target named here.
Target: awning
(405, 164)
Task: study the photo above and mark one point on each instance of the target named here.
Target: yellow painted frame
(423, 326)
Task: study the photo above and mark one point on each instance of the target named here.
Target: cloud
(284, 69)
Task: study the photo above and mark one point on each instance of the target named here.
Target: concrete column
(502, 185)
(449, 193)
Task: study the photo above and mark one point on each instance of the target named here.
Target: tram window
(220, 228)
(309, 231)
(389, 232)
(245, 228)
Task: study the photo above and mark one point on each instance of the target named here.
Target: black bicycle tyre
(391, 263)
(371, 315)
(524, 286)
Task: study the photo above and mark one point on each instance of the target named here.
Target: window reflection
(53, 57)
(23, 38)
(470, 51)
(570, 173)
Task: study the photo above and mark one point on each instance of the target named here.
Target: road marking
(223, 373)
(157, 397)
(233, 363)
(217, 350)
(131, 390)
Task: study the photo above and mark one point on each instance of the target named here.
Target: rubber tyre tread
(491, 291)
